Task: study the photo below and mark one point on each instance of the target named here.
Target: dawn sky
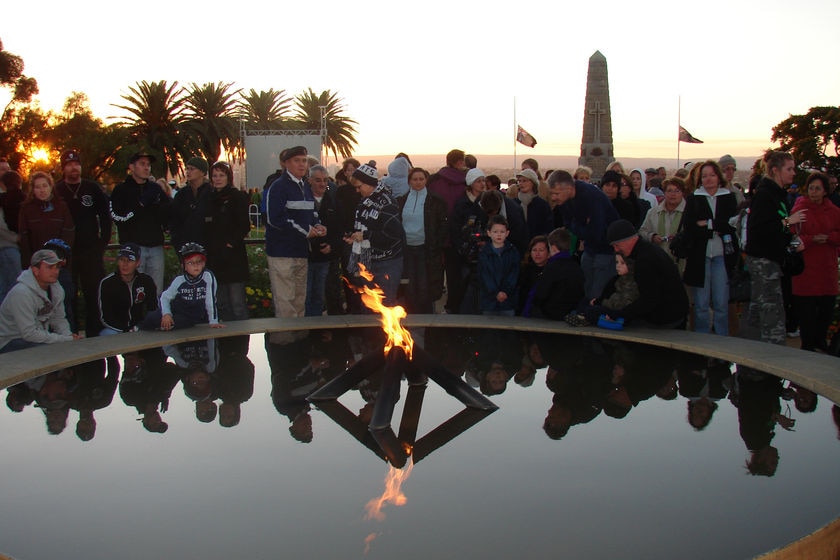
(427, 77)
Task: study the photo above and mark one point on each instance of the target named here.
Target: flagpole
(679, 124)
(514, 134)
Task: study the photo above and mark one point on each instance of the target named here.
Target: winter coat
(41, 221)
(498, 272)
(588, 215)
(449, 184)
(89, 207)
(187, 216)
(767, 236)
(329, 217)
(436, 230)
(290, 213)
(140, 211)
(820, 275)
(228, 224)
(123, 305)
(701, 237)
(379, 220)
(559, 288)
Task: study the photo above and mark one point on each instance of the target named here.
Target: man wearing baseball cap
(92, 216)
(119, 313)
(33, 312)
(140, 209)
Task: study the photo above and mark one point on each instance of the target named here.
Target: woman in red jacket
(43, 216)
(815, 290)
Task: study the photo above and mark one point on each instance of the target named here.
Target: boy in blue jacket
(498, 270)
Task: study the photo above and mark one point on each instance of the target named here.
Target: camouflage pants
(765, 316)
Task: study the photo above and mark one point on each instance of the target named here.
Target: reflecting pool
(598, 449)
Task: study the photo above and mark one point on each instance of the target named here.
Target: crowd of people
(638, 248)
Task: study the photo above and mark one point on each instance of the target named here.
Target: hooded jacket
(33, 314)
(643, 192)
(397, 178)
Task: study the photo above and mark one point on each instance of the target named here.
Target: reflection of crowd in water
(216, 374)
(586, 377)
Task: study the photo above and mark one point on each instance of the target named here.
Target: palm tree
(340, 128)
(265, 110)
(211, 122)
(156, 118)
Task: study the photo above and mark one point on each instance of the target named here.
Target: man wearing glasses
(33, 312)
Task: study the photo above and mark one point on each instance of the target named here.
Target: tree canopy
(813, 138)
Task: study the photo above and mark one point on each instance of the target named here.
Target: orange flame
(372, 298)
(393, 491)
(369, 539)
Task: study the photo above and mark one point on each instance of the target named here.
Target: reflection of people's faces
(610, 189)
(41, 189)
(417, 181)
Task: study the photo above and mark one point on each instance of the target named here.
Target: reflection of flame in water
(393, 492)
(368, 540)
(372, 298)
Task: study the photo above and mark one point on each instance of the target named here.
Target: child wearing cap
(190, 299)
(126, 295)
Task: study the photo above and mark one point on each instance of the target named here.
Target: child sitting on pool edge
(190, 299)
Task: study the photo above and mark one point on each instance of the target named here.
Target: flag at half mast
(685, 136)
(524, 137)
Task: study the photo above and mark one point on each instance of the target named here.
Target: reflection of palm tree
(265, 110)
(340, 128)
(210, 121)
(156, 119)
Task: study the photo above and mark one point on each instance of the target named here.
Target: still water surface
(595, 455)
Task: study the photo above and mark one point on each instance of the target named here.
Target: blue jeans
(230, 298)
(151, 262)
(9, 269)
(108, 331)
(598, 269)
(19, 344)
(316, 283)
(715, 290)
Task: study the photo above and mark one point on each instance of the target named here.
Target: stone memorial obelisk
(596, 145)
